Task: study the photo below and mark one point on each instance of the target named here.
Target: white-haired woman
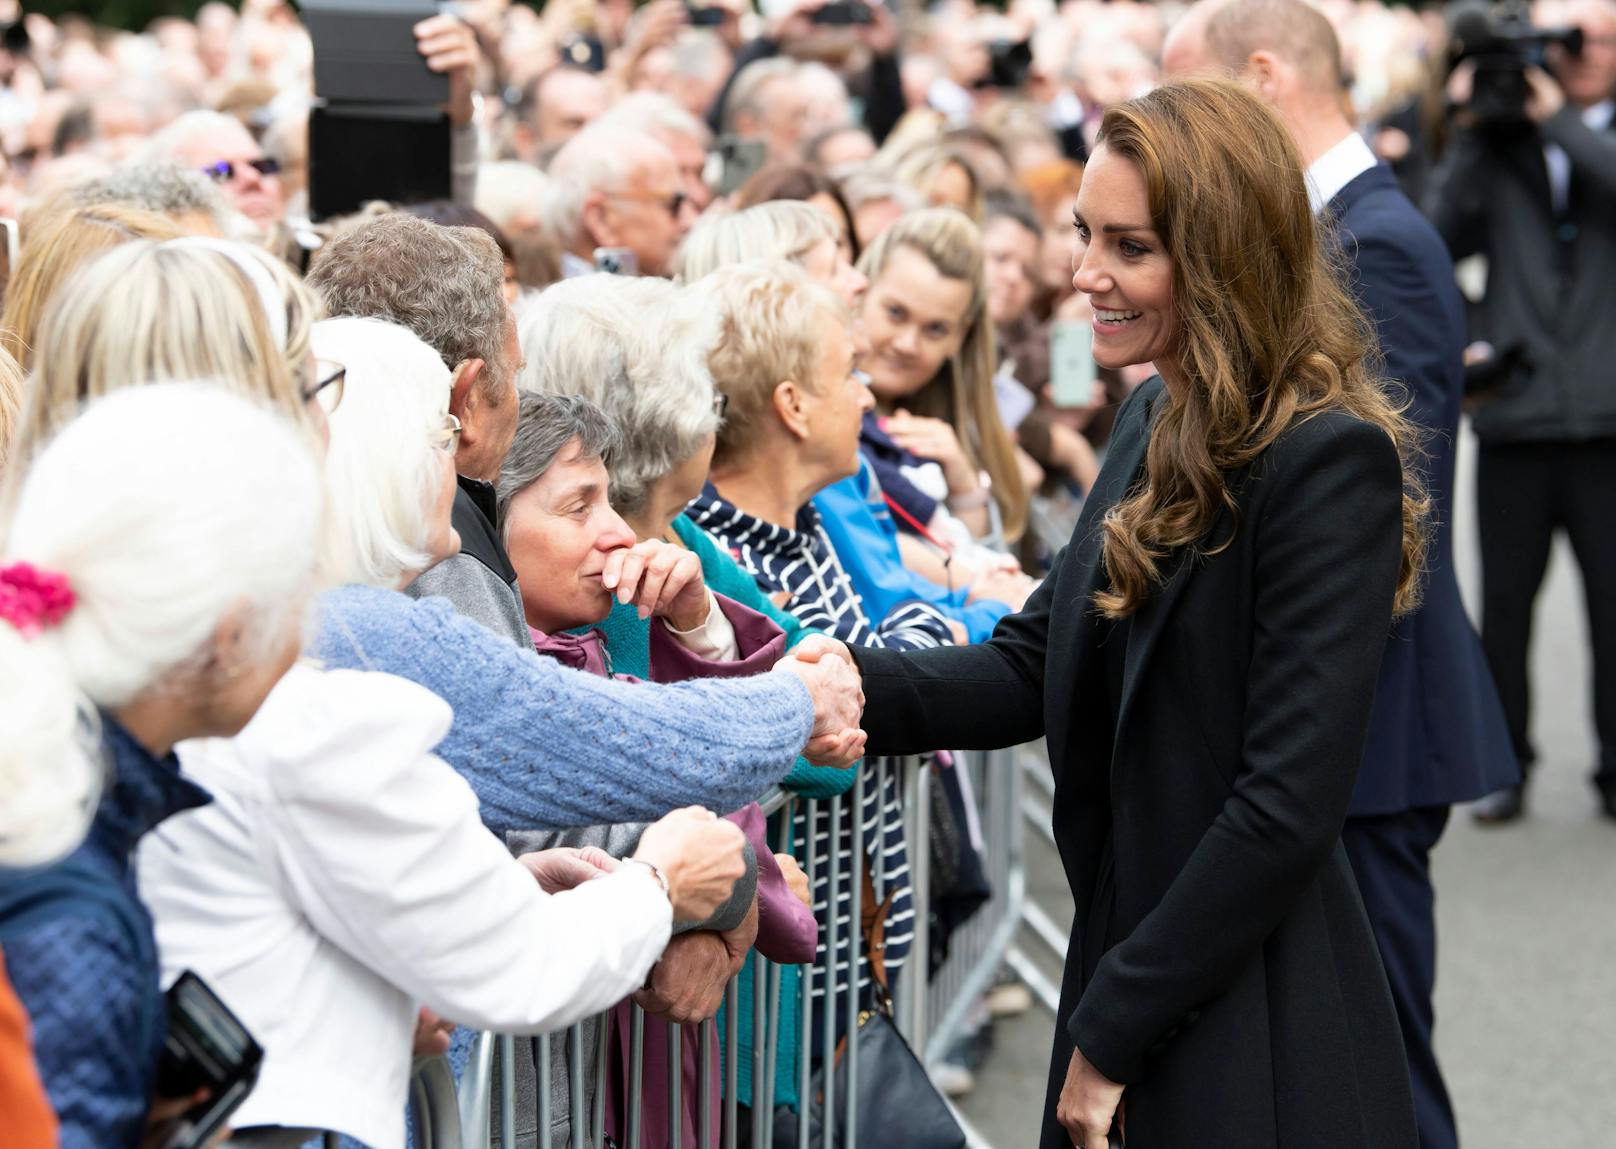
(131, 620)
(343, 878)
(780, 229)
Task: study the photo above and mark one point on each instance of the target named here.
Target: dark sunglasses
(224, 171)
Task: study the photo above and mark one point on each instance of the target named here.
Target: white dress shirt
(1337, 168)
(342, 878)
(1597, 118)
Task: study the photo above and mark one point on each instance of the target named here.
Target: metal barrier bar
(507, 1090)
(732, 1075)
(760, 1037)
(636, 1062)
(602, 1047)
(827, 1014)
(805, 1035)
(704, 1080)
(544, 1105)
(575, 1080)
(856, 919)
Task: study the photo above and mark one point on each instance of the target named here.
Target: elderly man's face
(650, 216)
(568, 101)
(691, 159)
(233, 159)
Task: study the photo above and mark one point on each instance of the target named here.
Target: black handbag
(898, 1107)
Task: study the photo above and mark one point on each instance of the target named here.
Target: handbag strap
(873, 925)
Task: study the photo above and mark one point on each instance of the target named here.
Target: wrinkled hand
(567, 867)
(449, 45)
(1544, 96)
(796, 880)
(838, 698)
(687, 984)
(431, 1034)
(1088, 1104)
(659, 579)
(656, 25)
(700, 854)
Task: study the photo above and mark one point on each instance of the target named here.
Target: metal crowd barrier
(977, 952)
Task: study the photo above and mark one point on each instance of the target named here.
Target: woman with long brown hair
(1203, 658)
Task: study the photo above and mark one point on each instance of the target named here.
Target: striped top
(799, 569)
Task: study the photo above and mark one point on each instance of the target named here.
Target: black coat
(1243, 1002)
(1548, 275)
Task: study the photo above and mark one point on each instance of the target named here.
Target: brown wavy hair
(1268, 334)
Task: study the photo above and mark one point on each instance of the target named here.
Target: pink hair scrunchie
(32, 600)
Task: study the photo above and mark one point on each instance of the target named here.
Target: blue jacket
(89, 980)
(1437, 733)
(860, 527)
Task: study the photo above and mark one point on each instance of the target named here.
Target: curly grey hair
(446, 284)
(638, 348)
(545, 424)
(160, 186)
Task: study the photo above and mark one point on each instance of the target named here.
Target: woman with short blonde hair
(792, 230)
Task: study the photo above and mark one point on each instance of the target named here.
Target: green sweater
(628, 638)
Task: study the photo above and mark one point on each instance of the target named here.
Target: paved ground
(1526, 996)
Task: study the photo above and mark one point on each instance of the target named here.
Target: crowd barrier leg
(930, 1017)
(636, 1063)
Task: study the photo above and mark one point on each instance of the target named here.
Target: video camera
(1503, 44)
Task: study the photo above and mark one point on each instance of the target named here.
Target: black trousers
(1391, 859)
(1524, 493)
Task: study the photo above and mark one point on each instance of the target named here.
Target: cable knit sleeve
(546, 747)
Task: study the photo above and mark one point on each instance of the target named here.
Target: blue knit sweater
(546, 747)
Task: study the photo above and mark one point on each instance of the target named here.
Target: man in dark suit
(1536, 193)
(1437, 735)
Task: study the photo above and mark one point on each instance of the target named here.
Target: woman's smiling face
(1122, 265)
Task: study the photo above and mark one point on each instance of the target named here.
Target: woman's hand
(936, 440)
(432, 1034)
(661, 580)
(567, 867)
(796, 880)
(700, 855)
(1088, 1104)
(1010, 587)
(838, 697)
(687, 983)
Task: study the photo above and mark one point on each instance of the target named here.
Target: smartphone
(704, 15)
(842, 13)
(739, 157)
(206, 1047)
(1071, 363)
(616, 261)
(1015, 402)
(11, 256)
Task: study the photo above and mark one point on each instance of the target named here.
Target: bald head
(1224, 36)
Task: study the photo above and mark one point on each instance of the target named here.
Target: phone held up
(1072, 370)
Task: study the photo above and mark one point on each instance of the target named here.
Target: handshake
(826, 668)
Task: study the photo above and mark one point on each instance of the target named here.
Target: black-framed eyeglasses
(224, 171)
(447, 438)
(326, 390)
(720, 404)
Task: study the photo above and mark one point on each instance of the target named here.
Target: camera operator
(1535, 191)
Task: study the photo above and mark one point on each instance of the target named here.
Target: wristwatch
(661, 878)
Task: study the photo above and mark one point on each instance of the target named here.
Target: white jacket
(341, 879)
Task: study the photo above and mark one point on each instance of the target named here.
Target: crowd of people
(403, 612)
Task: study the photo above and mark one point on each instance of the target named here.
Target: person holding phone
(1203, 658)
(129, 622)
